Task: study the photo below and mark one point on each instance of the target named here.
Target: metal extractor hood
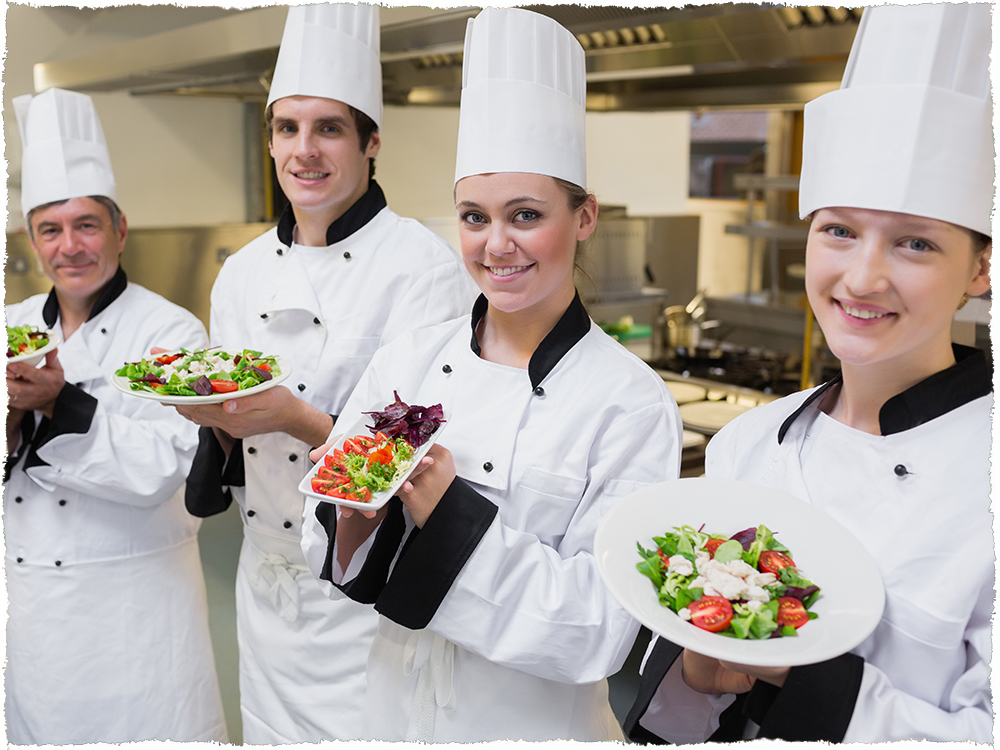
(706, 56)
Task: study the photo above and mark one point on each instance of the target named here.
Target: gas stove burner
(748, 368)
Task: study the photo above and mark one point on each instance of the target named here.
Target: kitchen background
(694, 126)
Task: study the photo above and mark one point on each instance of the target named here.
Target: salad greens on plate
(202, 372)
(25, 339)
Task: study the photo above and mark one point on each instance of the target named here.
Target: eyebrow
(76, 219)
(335, 120)
(508, 204)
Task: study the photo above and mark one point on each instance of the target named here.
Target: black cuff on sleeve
(816, 703)
(72, 414)
(663, 656)
(27, 428)
(210, 475)
(371, 580)
(432, 560)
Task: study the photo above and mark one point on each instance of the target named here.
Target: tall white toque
(332, 51)
(63, 151)
(910, 129)
(524, 96)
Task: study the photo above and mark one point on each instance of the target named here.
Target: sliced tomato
(791, 612)
(166, 359)
(381, 437)
(352, 446)
(361, 495)
(365, 442)
(771, 561)
(713, 544)
(224, 386)
(322, 486)
(711, 613)
(335, 459)
(331, 472)
(265, 366)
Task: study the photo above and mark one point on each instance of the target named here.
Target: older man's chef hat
(63, 151)
(331, 51)
(523, 98)
(910, 130)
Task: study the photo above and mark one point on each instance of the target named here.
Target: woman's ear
(588, 219)
(980, 283)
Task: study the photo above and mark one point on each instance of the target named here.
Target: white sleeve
(443, 293)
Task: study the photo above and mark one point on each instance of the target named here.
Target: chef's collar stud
(281, 251)
(901, 470)
(347, 255)
(446, 369)
(251, 450)
(104, 330)
(539, 391)
(487, 467)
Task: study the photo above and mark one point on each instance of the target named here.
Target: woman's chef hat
(332, 51)
(63, 151)
(524, 93)
(910, 129)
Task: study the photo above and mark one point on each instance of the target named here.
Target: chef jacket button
(80, 384)
(251, 513)
(58, 563)
(900, 470)
(487, 467)
(347, 255)
(302, 386)
(316, 321)
(251, 450)
(446, 369)
(20, 559)
(293, 457)
(104, 330)
(263, 316)
(62, 502)
(539, 391)
(281, 251)
(287, 524)
(18, 499)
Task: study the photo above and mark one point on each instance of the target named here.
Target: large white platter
(33, 358)
(852, 594)
(122, 384)
(380, 498)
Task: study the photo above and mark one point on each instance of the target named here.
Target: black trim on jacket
(207, 490)
(112, 291)
(657, 665)
(968, 379)
(567, 332)
(72, 414)
(358, 215)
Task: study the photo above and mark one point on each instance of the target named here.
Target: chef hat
(910, 129)
(524, 96)
(331, 51)
(63, 151)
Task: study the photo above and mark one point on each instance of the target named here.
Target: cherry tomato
(352, 446)
(663, 558)
(265, 366)
(713, 544)
(224, 386)
(771, 561)
(791, 612)
(711, 613)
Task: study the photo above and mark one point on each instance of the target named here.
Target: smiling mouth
(506, 270)
(854, 312)
(311, 175)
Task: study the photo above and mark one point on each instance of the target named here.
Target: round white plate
(122, 384)
(33, 358)
(710, 415)
(852, 594)
(685, 393)
(692, 439)
(380, 498)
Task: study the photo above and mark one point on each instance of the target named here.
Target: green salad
(25, 339)
(200, 373)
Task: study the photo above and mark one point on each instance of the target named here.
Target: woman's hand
(427, 483)
(706, 674)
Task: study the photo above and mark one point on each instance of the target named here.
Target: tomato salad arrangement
(25, 339)
(200, 373)
(366, 465)
(746, 586)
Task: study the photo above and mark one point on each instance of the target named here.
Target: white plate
(852, 596)
(692, 439)
(361, 427)
(685, 393)
(710, 415)
(123, 385)
(33, 358)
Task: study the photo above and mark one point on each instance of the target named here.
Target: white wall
(177, 161)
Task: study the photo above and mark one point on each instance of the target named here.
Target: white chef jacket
(917, 497)
(495, 623)
(325, 310)
(107, 638)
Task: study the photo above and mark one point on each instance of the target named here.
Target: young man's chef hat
(910, 129)
(524, 96)
(332, 51)
(63, 151)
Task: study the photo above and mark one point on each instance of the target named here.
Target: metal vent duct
(730, 55)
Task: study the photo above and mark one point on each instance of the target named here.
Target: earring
(965, 299)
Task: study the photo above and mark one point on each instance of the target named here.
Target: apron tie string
(433, 658)
(275, 577)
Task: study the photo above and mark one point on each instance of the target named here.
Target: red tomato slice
(381, 437)
(224, 386)
(335, 459)
(711, 613)
(713, 544)
(791, 612)
(352, 446)
(322, 486)
(365, 442)
(771, 561)
(166, 359)
(332, 473)
(265, 366)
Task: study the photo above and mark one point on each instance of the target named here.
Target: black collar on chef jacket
(968, 379)
(572, 326)
(114, 289)
(364, 210)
